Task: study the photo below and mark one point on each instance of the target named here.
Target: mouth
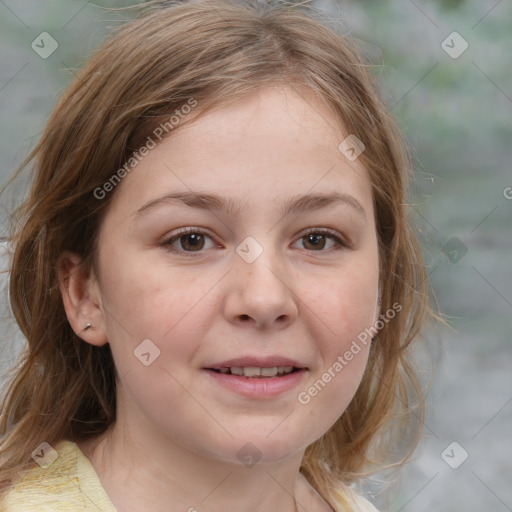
(256, 377)
(255, 372)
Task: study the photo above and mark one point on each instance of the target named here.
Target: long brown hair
(215, 51)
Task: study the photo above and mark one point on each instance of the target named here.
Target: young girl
(215, 272)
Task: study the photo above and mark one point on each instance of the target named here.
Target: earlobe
(81, 304)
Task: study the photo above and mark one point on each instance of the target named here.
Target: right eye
(190, 239)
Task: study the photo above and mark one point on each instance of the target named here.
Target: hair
(216, 52)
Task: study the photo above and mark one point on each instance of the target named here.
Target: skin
(174, 445)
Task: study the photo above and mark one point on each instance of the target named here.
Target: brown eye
(315, 240)
(193, 242)
(186, 241)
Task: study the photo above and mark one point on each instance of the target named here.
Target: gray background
(456, 114)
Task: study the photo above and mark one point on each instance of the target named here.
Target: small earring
(88, 326)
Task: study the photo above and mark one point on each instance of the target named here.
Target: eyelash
(341, 244)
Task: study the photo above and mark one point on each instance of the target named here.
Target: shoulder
(63, 481)
(351, 501)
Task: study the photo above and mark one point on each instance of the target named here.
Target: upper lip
(258, 362)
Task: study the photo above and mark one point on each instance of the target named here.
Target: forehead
(272, 144)
(269, 118)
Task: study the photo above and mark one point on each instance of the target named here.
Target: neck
(138, 475)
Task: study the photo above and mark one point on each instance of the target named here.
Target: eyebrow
(296, 204)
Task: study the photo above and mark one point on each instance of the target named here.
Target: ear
(82, 300)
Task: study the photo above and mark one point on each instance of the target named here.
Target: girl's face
(279, 268)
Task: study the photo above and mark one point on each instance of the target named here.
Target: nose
(260, 293)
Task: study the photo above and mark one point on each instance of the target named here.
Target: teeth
(269, 372)
(254, 371)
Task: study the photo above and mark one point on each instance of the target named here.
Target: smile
(254, 371)
(257, 382)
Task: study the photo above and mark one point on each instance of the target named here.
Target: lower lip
(258, 388)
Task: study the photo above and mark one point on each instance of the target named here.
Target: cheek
(154, 330)
(333, 384)
(149, 299)
(341, 317)
(342, 307)
(170, 309)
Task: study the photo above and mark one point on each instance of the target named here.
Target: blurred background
(445, 69)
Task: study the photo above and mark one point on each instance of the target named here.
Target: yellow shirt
(71, 484)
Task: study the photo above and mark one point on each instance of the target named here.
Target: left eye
(193, 240)
(317, 238)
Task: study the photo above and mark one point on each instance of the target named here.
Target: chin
(248, 450)
(274, 448)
